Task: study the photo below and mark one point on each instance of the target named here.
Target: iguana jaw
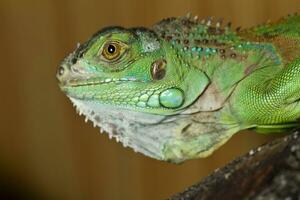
(72, 87)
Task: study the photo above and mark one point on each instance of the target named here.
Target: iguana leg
(270, 97)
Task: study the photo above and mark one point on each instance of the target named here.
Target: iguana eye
(111, 51)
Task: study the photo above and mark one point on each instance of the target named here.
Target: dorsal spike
(188, 15)
(219, 22)
(209, 21)
(202, 21)
(228, 25)
(196, 18)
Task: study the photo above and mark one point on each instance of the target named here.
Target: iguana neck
(236, 57)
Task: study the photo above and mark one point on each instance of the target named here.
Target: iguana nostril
(60, 74)
(60, 71)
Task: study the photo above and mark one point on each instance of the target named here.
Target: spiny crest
(263, 24)
(188, 31)
(208, 26)
(290, 16)
(198, 37)
(269, 23)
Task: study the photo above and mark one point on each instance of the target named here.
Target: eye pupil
(111, 49)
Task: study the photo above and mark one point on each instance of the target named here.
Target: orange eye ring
(111, 51)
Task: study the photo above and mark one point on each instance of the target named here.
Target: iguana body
(182, 88)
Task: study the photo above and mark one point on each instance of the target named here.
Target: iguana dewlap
(182, 88)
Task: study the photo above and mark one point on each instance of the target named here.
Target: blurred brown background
(46, 150)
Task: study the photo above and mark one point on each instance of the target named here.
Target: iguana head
(137, 86)
(129, 68)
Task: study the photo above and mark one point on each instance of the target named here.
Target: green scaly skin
(181, 89)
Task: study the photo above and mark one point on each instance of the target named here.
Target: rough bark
(270, 172)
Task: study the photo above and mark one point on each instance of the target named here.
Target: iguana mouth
(76, 83)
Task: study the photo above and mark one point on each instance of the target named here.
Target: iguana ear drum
(158, 69)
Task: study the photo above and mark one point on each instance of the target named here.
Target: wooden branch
(271, 171)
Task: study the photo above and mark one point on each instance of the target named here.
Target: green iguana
(182, 88)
